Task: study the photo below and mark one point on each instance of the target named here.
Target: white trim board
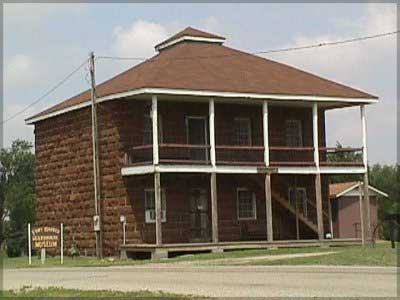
(350, 191)
(199, 93)
(138, 170)
(189, 38)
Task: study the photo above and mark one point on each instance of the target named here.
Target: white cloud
(211, 24)
(139, 39)
(368, 65)
(16, 128)
(19, 70)
(32, 14)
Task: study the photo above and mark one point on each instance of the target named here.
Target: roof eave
(202, 93)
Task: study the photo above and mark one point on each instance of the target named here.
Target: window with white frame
(150, 206)
(294, 133)
(242, 131)
(246, 204)
(148, 130)
(301, 197)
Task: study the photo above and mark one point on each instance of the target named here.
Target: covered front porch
(191, 219)
(167, 250)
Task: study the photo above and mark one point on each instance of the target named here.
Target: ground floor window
(246, 204)
(150, 206)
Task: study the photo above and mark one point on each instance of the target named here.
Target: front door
(199, 223)
(197, 135)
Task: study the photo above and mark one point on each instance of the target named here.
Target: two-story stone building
(201, 147)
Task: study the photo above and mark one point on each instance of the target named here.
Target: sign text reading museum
(45, 237)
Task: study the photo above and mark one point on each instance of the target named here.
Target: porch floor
(163, 250)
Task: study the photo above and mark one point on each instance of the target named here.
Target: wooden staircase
(285, 204)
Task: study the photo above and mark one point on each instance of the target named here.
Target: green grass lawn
(41, 293)
(22, 262)
(380, 255)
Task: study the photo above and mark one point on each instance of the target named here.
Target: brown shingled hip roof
(207, 66)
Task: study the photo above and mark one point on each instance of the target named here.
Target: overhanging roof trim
(356, 185)
(190, 38)
(183, 92)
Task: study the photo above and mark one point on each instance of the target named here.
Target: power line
(122, 58)
(357, 39)
(46, 94)
(318, 45)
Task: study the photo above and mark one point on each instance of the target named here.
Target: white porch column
(366, 207)
(267, 184)
(364, 135)
(265, 132)
(154, 117)
(362, 217)
(214, 207)
(157, 200)
(367, 211)
(212, 131)
(315, 134)
(318, 192)
(330, 217)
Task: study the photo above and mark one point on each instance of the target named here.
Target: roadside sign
(45, 237)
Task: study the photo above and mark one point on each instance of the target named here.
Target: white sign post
(29, 244)
(62, 243)
(43, 255)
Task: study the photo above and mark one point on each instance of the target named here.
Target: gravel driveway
(228, 281)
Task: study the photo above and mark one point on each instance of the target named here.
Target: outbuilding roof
(337, 190)
(191, 64)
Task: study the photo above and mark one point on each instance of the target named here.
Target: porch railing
(184, 153)
(244, 155)
(142, 154)
(239, 155)
(291, 156)
(330, 156)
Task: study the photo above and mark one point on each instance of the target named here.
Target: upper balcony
(238, 138)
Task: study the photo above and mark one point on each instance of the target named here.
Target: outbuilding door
(199, 215)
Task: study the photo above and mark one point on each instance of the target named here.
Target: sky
(45, 42)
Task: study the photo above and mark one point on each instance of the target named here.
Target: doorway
(199, 217)
(196, 129)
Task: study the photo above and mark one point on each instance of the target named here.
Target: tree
(342, 156)
(387, 179)
(17, 195)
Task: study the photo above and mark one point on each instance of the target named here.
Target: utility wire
(319, 45)
(46, 94)
(357, 39)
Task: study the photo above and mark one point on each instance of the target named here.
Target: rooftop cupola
(190, 34)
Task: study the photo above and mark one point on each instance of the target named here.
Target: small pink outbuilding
(344, 199)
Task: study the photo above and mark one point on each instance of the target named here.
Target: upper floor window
(150, 206)
(148, 130)
(242, 131)
(294, 133)
(246, 204)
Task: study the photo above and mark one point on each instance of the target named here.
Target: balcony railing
(184, 153)
(341, 156)
(239, 155)
(289, 156)
(142, 154)
(244, 155)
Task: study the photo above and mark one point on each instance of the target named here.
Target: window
(294, 133)
(246, 204)
(148, 130)
(242, 131)
(301, 197)
(150, 206)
